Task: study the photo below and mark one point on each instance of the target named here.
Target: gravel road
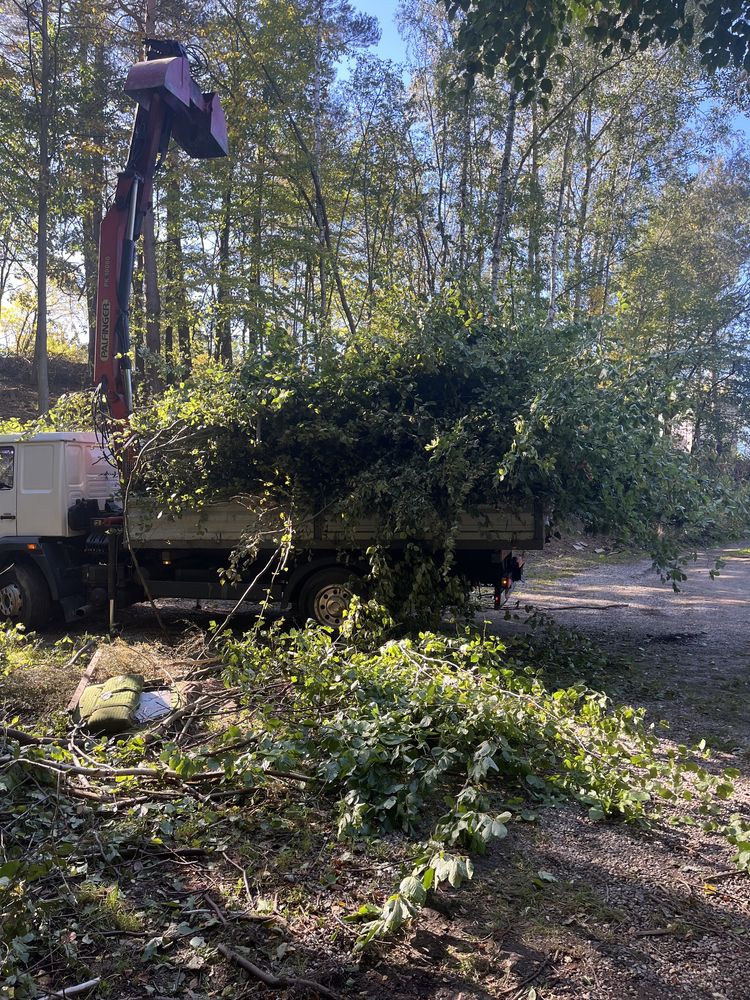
(652, 915)
(691, 650)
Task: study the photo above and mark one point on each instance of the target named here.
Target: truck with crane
(67, 547)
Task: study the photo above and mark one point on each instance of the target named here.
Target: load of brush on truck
(376, 473)
(294, 476)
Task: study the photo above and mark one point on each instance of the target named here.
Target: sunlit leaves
(526, 36)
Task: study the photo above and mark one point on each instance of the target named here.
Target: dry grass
(41, 679)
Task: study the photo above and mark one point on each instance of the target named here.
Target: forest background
(598, 226)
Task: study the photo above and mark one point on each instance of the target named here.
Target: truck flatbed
(64, 543)
(225, 525)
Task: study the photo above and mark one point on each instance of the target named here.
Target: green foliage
(737, 833)
(433, 716)
(527, 38)
(71, 412)
(395, 730)
(13, 643)
(405, 904)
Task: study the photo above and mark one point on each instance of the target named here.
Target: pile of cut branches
(449, 411)
(439, 743)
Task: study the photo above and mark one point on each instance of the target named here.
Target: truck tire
(325, 596)
(24, 596)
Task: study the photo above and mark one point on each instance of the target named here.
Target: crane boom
(170, 105)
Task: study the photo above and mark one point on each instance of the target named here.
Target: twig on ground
(79, 653)
(244, 877)
(578, 607)
(719, 876)
(658, 932)
(278, 982)
(87, 674)
(216, 910)
(530, 979)
(71, 991)
(134, 934)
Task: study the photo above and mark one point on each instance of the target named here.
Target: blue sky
(391, 45)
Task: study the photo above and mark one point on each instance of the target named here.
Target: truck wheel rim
(11, 601)
(330, 604)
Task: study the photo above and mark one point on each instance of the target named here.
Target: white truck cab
(43, 477)
(50, 487)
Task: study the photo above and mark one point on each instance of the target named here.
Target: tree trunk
(318, 157)
(92, 118)
(44, 101)
(552, 311)
(138, 319)
(583, 213)
(151, 282)
(536, 211)
(177, 306)
(503, 196)
(151, 278)
(258, 255)
(463, 191)
(223, 346)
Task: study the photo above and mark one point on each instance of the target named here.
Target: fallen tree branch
(579, 607)
(105, 773)
(107, 797)
(87, 675)
(26, 738)
(278, 982)
(71, 991)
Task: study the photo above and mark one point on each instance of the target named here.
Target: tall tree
(41, 25)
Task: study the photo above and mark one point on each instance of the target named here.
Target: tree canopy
(527, 37)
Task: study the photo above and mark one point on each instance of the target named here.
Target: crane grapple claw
(198, 123)
(202, 131)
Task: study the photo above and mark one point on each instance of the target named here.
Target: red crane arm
(170, 104)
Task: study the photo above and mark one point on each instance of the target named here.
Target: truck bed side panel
(224, 525)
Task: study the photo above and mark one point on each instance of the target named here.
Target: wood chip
(85, 679)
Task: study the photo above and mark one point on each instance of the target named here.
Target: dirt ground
(17, 393)
(629, 914)
(690, 650)
(564, 908)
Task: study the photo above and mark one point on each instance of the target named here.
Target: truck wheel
(325, 596)
(25, 596)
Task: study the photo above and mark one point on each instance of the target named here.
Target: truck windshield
(7, 461)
